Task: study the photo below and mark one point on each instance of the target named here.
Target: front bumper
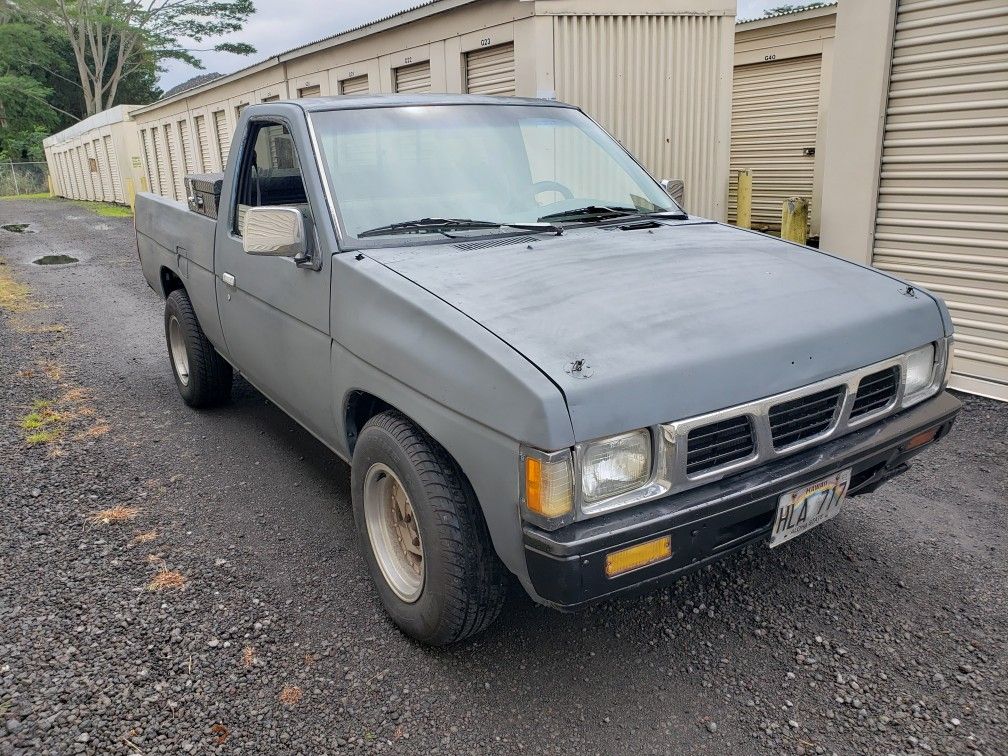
(567, 566)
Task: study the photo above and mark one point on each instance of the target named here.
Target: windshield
(499, 164)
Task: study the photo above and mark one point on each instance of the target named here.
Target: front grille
(875, 391)
(710, 446)
(804, 417)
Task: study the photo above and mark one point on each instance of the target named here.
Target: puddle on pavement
(55, 260)
(17, 228)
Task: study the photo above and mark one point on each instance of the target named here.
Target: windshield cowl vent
(485, 243)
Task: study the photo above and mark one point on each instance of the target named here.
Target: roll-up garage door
(202, 143)
(775, 116)
(185, 142)
(174, 161)
(148, 149)
(413, 78)
(491, 70)
(354, 86)
(110, 155)
(104, 172)
(942, 217)
(313, 91)
(223, 136)
(84, 155)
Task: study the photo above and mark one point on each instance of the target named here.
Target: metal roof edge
(115, 114)
(829, 9)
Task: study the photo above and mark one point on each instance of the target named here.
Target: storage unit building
(97, 159)
(916, 180)
(657, 75)
(779, 96)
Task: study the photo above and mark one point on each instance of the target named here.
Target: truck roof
(353, 102)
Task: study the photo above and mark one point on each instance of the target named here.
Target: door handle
(228, 279)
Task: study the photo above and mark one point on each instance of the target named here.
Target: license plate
(801, 510)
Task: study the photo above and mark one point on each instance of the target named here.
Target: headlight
(920, 368)
(615, 465)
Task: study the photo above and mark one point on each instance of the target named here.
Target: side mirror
(275, 232)
(676, 189)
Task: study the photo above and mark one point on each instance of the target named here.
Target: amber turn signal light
(924, 437)
(641, 555)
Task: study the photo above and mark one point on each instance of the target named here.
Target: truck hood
(672, 321)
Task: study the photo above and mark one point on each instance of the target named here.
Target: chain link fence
(23, 178)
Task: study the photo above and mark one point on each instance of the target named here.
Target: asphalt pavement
(174, 581)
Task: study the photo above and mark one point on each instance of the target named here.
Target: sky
(279, 25)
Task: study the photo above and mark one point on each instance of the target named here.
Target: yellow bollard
(130, 194)
(794, 220)
(743, 205)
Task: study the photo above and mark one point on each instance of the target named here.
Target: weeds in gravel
(166, 580)
(107, 209)
(42, 425)
(145, 537)
(116, 514)
(14, 295)
(221, 733)
(248, 657)
(291, 695)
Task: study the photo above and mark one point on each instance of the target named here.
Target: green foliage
(781, 10)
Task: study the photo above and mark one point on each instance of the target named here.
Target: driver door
(274, 314)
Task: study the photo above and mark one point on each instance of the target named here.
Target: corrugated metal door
(413, 78)
(313, 91)
(775, 116)
(148, 150)
(356, 85)
(160, 163)
(104, 172)
(110, 156)
(174, 162)
(223, 136)
(942, 217)
(188, 166)
(84, 158)
(491, 70)
(202, 143)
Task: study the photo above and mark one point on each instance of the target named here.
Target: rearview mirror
(275, 232)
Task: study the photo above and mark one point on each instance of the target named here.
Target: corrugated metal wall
(942, 214)
(775, 116)
(659, 85)
(202, 144)
(491, 70)
(223, 132)
(413, 78)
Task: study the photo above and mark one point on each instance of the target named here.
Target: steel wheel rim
(179, 355)
(394, 532)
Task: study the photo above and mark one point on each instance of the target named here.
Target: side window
(269, 174)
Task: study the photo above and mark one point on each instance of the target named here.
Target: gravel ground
(182, 582)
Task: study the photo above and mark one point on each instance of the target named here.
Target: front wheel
(422, 534)
(203, 377)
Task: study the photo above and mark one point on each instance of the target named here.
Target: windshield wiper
(605, 212)
(441, 225)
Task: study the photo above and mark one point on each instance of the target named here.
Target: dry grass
(14, 295)
(95, 431)
(53, 371)
(248, 657)
(291, 695)
(221, 733)
(116, 514)
(166, 579)
(145, 537)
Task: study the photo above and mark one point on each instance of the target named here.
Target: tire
(203, 377)
(463, 583)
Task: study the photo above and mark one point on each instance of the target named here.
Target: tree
(25, 113)
(113, 40)
(782, 10)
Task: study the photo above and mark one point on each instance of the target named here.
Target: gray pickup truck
(534, 361)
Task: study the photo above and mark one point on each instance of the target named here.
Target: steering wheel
(552, 186)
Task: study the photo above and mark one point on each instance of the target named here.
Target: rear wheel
(203, 377)
(422, 534)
